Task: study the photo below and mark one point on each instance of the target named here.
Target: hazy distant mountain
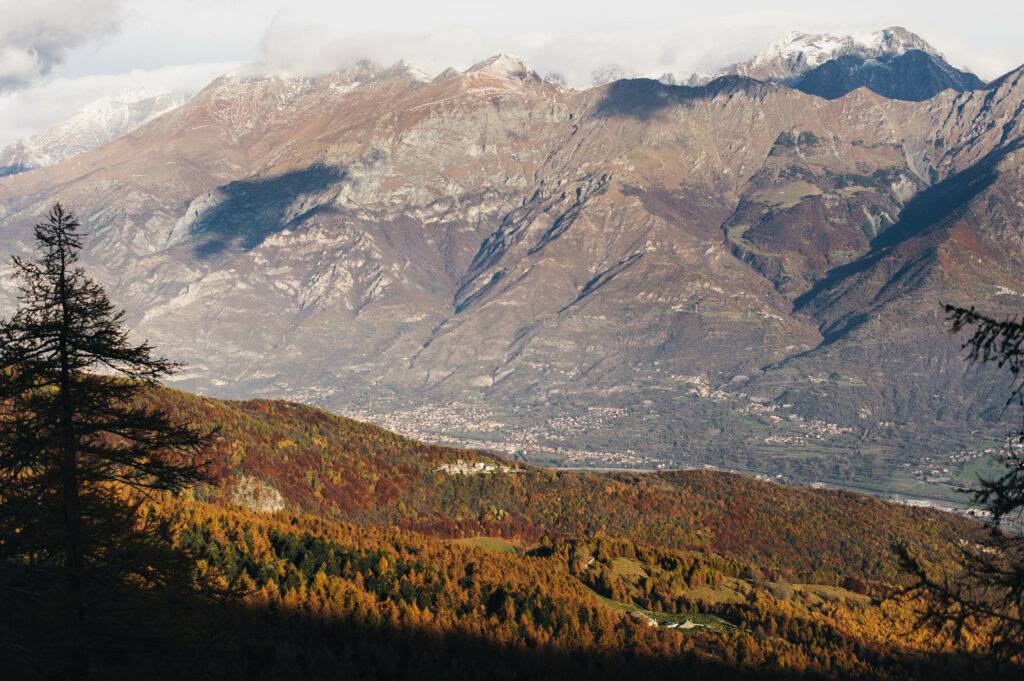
(97, 123)
(686, 272)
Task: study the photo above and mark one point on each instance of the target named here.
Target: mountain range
(862, 60)
(745, 273)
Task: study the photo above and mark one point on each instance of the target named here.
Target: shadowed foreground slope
(321, 600)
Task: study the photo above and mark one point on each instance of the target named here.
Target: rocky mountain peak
(360, 72)
(610, 74)
(234, 86)
(892, 62)
(897, 40)
(403, 69)
(447, 74)
(504, 66)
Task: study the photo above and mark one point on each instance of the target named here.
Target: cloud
(36, 35)
(679, 39)
(311, 49)
(296, 45)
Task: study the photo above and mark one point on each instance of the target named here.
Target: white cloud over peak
(36, 35)
(296, 44)
(650, 40)
(311, 49)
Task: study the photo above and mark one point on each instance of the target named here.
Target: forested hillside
(324, 600)
(342, 469)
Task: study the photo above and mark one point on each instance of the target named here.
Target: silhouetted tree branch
(987, 590)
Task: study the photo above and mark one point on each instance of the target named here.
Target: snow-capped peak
(796, 52)
(819, 48)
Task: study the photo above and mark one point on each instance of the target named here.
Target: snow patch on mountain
(796, 53)
(792, 55)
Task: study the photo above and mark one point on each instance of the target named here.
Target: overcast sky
(57, 55)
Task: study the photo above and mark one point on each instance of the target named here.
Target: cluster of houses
(439, 423)
(461, 467)
(429, 420)
(759, 406)
(641, 618)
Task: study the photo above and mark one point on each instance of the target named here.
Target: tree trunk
(73, 549)
(74, 567)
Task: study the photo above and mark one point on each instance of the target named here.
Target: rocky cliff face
(700, 265)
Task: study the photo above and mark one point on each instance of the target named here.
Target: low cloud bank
(578, 60)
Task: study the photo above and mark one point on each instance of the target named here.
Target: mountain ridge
(893, 62)
(784, 60)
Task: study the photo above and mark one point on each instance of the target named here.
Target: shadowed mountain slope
(914, 76)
